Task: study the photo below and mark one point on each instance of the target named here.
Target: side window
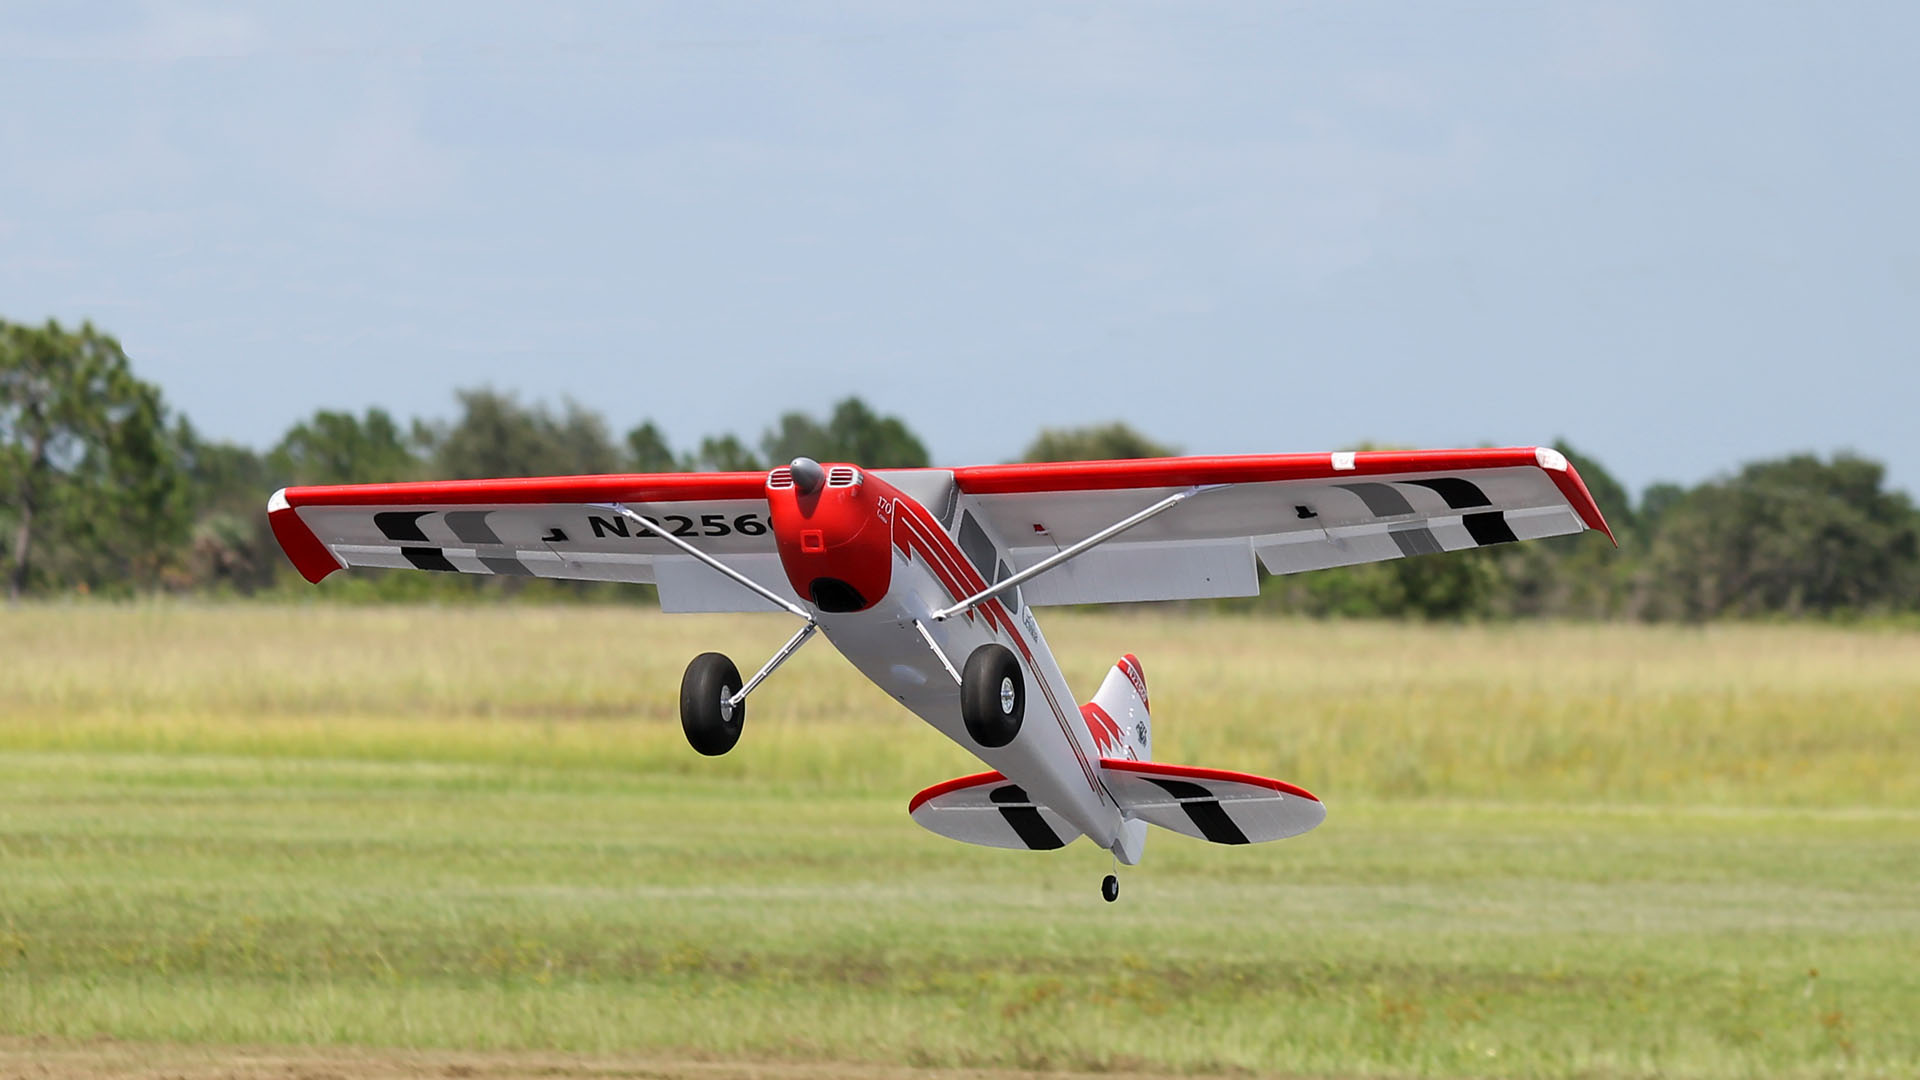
(1012, 596)
(976, 545)
(947, 507)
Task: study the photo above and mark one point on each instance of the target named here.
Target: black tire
(1110, 889)
(993, 696)
(710, 678)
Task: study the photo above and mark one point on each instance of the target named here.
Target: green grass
(1552, 850)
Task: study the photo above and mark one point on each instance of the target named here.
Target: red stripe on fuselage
(925, 537)
(937, 550)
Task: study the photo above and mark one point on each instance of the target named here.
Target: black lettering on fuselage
(602, 526)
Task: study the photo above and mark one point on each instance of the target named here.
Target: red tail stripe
(1101, 725)
(1195, 772)
(958, 783)
(1130, 667)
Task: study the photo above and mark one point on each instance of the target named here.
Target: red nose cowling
(835, 543)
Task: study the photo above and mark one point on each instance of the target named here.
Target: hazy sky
(1680, 235)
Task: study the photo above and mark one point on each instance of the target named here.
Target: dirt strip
(45, 1059)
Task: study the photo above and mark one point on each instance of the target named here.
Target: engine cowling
(833, 527)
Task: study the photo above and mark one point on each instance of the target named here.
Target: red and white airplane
(926, 580)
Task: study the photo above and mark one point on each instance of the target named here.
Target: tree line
(109, 491)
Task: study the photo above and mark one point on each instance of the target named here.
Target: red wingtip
(304, 550)
(1567, 479)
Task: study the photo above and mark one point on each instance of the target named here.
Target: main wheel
(712, 726)
(1110, 889)
(993, 696)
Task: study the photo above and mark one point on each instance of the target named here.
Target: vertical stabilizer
(1122, 727)
(1117, 716)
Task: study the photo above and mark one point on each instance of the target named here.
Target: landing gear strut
(1110, 889)
(713, 703)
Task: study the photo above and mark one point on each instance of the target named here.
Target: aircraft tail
(1122, 727)
(990, 810)
(1208, 804)
(1118, 715)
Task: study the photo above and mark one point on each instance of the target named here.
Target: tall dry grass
(1736, 714)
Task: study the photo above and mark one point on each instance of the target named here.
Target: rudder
(1119, 716)
(1120, 720)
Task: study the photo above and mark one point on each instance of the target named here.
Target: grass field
(1552, 850)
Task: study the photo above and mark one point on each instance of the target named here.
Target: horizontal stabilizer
(992, 811)
(1211, 804)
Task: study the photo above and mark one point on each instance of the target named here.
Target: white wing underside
(1207, 546)
(1288, 513)
(514, 541)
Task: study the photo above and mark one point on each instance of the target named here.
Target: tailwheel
(1110, 889)
(708, 712)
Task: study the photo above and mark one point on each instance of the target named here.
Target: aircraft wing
(1292, 512)
(549, 527)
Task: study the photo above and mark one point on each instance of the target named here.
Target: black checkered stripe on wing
(1487, 527)
(1202, 808)
(470, 526)
(1023, 817)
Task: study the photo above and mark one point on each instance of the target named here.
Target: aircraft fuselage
(877, 564)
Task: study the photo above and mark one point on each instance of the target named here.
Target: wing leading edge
(1291, 512)
(1286, 512)
(547, 527)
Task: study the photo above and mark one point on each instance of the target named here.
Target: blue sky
(1680, 235)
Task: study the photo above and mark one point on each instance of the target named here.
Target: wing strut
(793, 644)
(1063, 555)
(740, 578)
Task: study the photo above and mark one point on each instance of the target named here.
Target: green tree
(1656, 501)
(649, 452)
(853, 432)
(1583, 575)
(340, 448)
(1100, 442)
(1794, 535)
(230, 545)
(1609, 494)
(497, 436)
(90, 471)
(725, 453)
(1456, 585)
